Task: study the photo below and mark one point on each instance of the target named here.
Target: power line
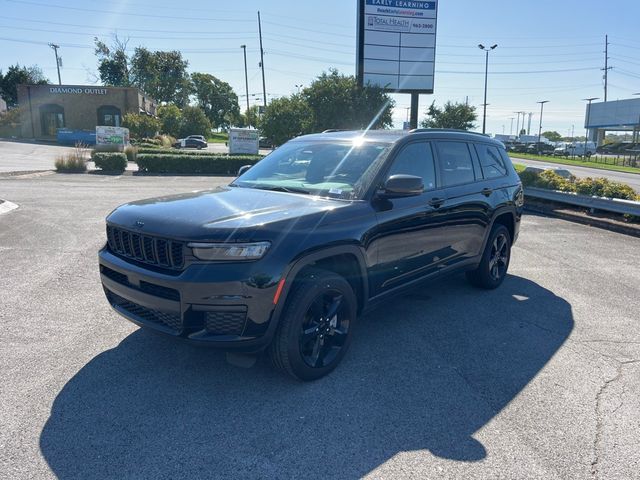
(128, 14)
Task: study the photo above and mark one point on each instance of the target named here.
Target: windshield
(337, 170)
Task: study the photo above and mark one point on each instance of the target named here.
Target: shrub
(141, 125)
(164, 141)
(597, 187)
(170, 119)
(194, 164)
(194, 122)
(131, 152)
(70, 164)
(74, 162)
(110, 162)
(601, 187)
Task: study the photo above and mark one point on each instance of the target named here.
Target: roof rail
(456, 130)
(331, 130)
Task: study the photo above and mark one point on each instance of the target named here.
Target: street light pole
(540, 128)
(486, 75)
(586, 134)
(246, 77)
(55, 49)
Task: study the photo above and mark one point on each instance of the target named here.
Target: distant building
(46, 108)
(3, 106)
(615, 116)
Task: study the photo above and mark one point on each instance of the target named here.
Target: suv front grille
(169, 320)
(156, 251)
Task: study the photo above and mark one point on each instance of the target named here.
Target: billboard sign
(397, 44)
(112, 135)
(243, 140)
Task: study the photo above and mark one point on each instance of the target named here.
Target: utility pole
(55, 49)
(511, 129)
(518, 125)
(540, 127)
(586, 135)
(246, 77)
(606, 65)
(529, 124)
(264, 85)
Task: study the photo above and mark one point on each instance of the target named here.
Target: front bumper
(219, 305)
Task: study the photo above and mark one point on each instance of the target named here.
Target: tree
(15, 76)
(552, 136)
(170, 117)
(113, 63)
(251, 117)
(141, 125)
(285, 118)
(337, 101)
(194, 122)
(217, 99)
(161, 75)
(460, 116)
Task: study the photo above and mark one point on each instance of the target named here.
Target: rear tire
(495, 260)
(316, 327)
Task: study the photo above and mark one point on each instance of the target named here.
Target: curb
(6, 206)
(603, 223)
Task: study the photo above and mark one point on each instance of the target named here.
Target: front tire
(495, 260)
(316, 327)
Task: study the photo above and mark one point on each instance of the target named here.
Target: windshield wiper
(280, 188)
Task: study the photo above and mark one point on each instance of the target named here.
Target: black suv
(288, 255)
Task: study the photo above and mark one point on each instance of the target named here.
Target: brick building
(45, 108)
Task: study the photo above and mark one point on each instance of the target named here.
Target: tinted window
(416, 159)
(491, 161)
(456, 165)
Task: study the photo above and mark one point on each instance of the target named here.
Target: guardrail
(614, 205)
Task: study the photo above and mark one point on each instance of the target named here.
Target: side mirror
(403, 186)
(243, 169)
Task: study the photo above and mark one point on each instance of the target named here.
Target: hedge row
(193, 164)
(189, 152)
(110, 161)
(597, 187)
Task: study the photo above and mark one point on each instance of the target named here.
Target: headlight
(229, 251)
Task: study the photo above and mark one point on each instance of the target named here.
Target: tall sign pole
(246, 77)
(397, 47)
(264, 85)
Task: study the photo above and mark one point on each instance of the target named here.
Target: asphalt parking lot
(538, 379)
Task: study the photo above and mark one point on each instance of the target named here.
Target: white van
(575, 149)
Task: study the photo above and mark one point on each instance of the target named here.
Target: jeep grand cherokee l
(288, 256)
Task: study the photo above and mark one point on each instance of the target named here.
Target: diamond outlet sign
(397, 44)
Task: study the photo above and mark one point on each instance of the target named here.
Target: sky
(547, 50)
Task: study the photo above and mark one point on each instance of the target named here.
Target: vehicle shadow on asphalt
(424, 373)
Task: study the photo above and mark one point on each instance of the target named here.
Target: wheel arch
(345, 260)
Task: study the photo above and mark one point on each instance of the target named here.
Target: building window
(51, 119)
(109, 116)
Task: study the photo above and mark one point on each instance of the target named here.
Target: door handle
(436, 202)
(487, 191)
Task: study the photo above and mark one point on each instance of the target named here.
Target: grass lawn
(218, 138)
(576, 162)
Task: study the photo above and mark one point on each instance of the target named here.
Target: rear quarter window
(491, 161)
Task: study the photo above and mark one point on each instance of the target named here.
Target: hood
(219, 214)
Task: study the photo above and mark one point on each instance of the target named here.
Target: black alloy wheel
(316, 325)
(499, 258)
(324, 330)
(495, 260)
